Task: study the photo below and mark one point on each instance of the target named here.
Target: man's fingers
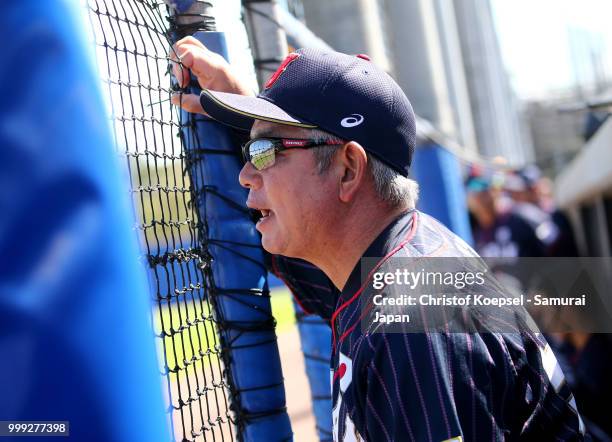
(189, 55)
(181, 73)
(185, 42)
(188, 102)
(190, 40)
(183, 62)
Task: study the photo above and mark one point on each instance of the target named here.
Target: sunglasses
(261, 152)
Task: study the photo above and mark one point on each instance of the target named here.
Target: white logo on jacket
(352, 121)
(345, 375)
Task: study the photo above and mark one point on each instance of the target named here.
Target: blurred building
(584, 190)
(429, 64)
(589, 70)
(499, 128)
(444, 54)
(556, 135)
(351, 26)
(562, 122)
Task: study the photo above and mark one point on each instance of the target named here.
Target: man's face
(297, 202)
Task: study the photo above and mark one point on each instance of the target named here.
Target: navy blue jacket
(436, 386)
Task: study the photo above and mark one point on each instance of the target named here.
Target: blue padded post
(245, 319)
(442, 193)
(76, 341)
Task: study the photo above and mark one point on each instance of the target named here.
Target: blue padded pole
(244, 318)
(442, 193)
(76, 341)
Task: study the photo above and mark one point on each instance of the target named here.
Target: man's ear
(353, 163)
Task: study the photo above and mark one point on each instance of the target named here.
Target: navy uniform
(510, 236)
(432, 386)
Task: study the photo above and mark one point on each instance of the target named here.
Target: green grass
(184, 345)
(282, 309)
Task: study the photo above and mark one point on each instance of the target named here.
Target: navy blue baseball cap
(345, 95)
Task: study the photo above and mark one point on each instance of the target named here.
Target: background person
(501, 234)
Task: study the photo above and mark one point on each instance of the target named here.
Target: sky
(535, 43)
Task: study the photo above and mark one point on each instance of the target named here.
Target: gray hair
(393, 188)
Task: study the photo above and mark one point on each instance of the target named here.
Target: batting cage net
(132, 39)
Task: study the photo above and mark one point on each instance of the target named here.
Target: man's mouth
(258, 213)
(264, 214)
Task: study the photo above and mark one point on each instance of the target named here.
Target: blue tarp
(75, 340)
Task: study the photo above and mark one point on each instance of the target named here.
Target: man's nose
(249, 177)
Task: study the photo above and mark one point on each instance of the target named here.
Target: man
(332, 138)
(527, 188)
(498, 233)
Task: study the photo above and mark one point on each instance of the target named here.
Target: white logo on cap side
(352, 121)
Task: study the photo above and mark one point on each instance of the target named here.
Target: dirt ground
(299, 405)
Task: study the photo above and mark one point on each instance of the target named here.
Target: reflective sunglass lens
(261, 154)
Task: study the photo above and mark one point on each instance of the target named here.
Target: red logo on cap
(281, 69)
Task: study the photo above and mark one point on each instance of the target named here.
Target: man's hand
(190, 56)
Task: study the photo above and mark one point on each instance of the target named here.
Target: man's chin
(276, 246)
(270, 245)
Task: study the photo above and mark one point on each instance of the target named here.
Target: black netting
(132, 45)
